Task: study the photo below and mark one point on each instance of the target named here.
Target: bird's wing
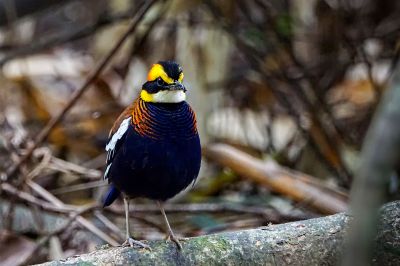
(117, 136)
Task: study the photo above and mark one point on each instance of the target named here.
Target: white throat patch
(167, 96)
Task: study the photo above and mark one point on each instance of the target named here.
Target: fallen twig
(83, 221)
(319, 139)
(43, 134)
(78, 187)
(269, 213)
(279, 179)
(27, 198)
(312, 242)
(64, 37)
(61, 229)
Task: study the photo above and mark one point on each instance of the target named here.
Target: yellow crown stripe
(156, 71)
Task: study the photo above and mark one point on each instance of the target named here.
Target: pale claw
(132, 242)
(173, 238)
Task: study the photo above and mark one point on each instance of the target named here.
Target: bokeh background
(284, 92)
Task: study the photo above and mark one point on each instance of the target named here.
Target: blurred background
(284, 92)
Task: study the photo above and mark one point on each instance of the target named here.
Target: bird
(153, 149)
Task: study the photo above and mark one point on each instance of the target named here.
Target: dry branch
(43, 134)
(271, 214)
(319, 138)
(81, 220)
(297, 186)
(21, 8)
(27, 198)
(47, 42)
(379, 161)
(312, 242)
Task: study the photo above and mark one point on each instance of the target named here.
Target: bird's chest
(158, 169)
(160, 156)
(166, 139)
(165, 124)
(166, 153)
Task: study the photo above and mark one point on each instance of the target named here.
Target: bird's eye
(160, 82)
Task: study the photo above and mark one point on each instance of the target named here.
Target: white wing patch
(106, 172)
(110, 147)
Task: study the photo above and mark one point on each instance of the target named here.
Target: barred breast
(160, 153)
(164, 120)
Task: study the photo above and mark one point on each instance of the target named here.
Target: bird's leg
(171, 234)
(129, 240)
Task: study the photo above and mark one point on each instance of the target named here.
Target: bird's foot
(132, 242)
(177, 240)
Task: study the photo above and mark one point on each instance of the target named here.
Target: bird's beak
(176, 86)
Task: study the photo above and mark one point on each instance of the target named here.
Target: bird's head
(164, 84)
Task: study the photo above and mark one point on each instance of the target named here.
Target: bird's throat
(164, 96)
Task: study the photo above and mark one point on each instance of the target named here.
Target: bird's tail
(112, 194)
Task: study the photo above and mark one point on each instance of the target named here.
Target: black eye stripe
(155, 86)
(151, 86)
(161, 82)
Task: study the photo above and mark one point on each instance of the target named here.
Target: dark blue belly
(155, 169)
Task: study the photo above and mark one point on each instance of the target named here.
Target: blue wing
(112, 194)
(113, 145)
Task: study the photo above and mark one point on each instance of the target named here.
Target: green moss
(212, 243)
(85, 263)
(103, 247)
(207, 249)
(313, 242)
(79, 263)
